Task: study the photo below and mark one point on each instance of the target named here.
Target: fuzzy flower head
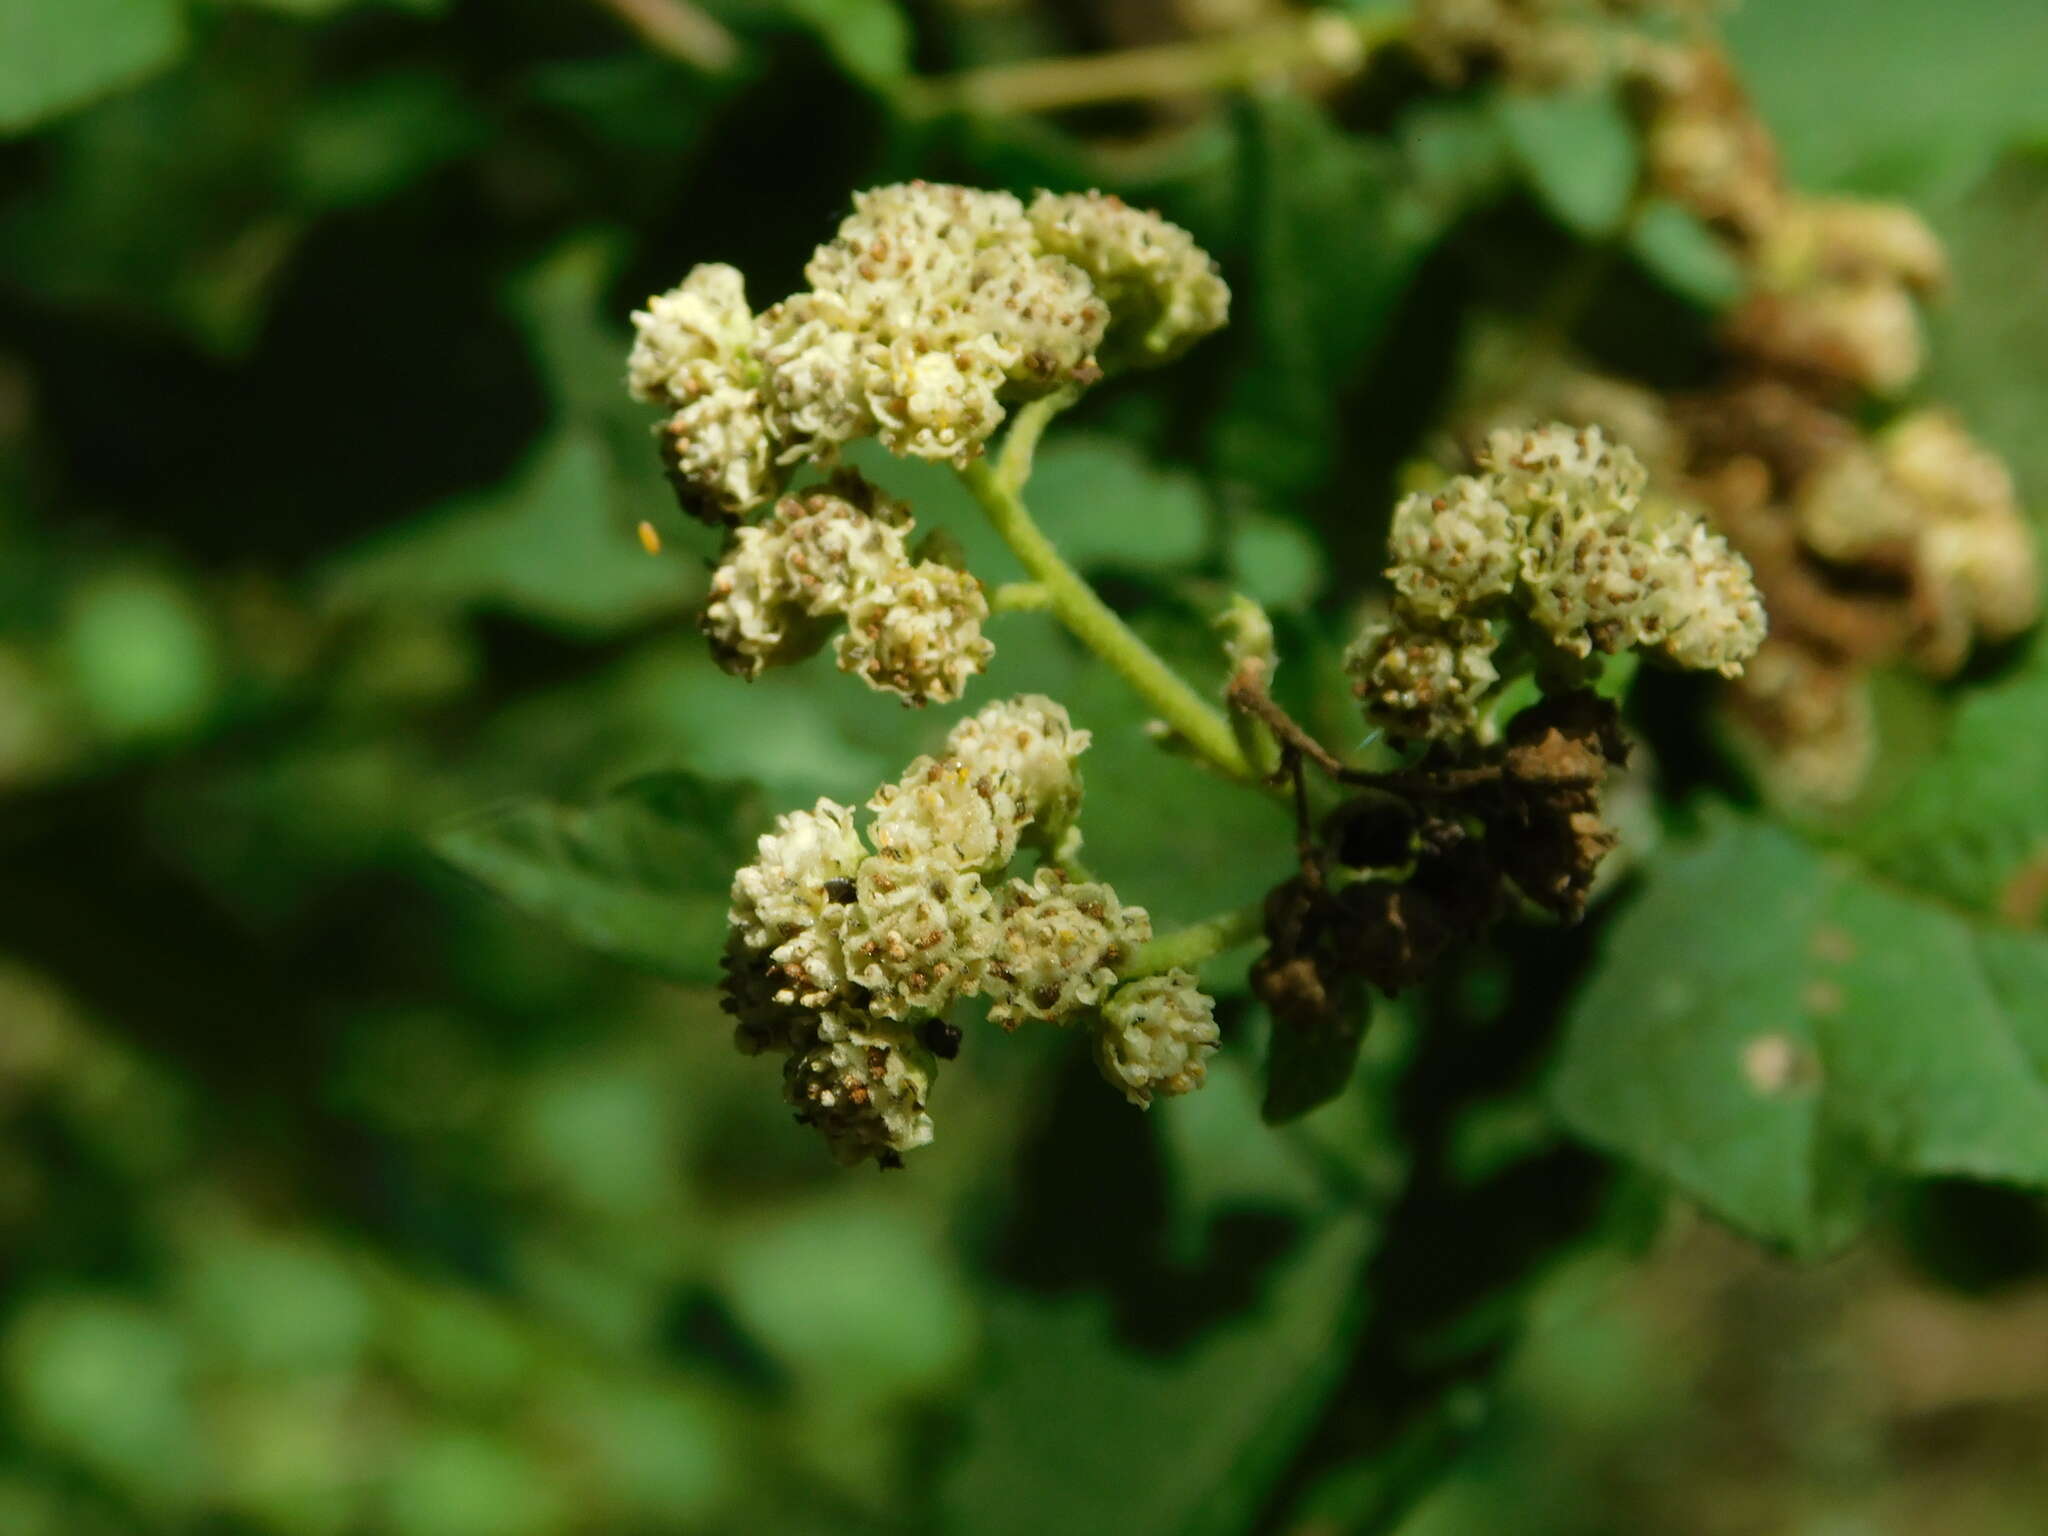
(1156, 1036)
(970, 814)
(1029, 745)
(784, 580)
(783, 903)
(719, 452)
(1163, 291)
(917, 935)
(1060, 945)
(692, 339)
(865, 1093)
(840, 553)
(1455, 549)
(1424, 679)
(916, 633)
(693, 353)
(1977, 558)
(1837, 283)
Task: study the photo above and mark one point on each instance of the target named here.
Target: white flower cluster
(844, 947)
(841, 551)
(1554, 529)
(932, 307)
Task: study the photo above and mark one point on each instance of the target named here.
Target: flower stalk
(1186, 948)
(1322, 40)
(1090, 620)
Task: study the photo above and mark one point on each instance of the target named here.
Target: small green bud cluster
(841, 552)
(845, 948)
(932, 307)
(1552, 532)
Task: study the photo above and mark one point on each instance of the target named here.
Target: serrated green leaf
(1777, 1033)
(1578, 151)
(1180, 1445)
(59, 54)
(641, 875)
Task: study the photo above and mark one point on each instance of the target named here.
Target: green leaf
(1985, 339)
(870, 38)
(1075, 1432)
(1972, 825)
(1307, 1067)
(160, 200)
(107, 1382)
(59, 54)
(1777, 1034)
(369, 139)
(1335, 232)
(321, 9)
(1578, 151)
(642, 875)
(1274, 560)
(1893, 97)
(859, 1354)
(555, 544)
(1106, 506)
(1685, 256)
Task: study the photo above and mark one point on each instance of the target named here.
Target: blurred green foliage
(338, 1196)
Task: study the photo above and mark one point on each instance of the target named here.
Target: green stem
(1326, 40)
(1027, 425)
(1091, 621)
(1019, 597)
(1186, 948)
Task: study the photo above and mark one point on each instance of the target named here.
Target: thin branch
(1247, 692)
(1186, 948)
(1326, 39)
(1096, 625)
(680, 30)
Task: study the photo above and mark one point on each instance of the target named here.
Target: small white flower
(1058, 947)
(1156, 1037)
(1163, 291)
